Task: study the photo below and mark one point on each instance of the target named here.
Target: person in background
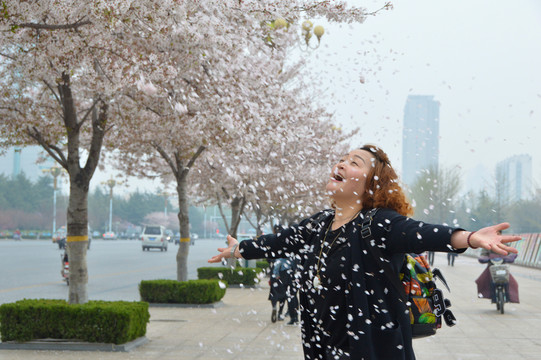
(451, 258)
(285, 270)
(431, 258)
(485, 285)
(277, 291)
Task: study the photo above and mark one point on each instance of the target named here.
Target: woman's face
(348, 176)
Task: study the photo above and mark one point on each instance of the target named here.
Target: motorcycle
(496, 282)
(499, 273)
(65, 270)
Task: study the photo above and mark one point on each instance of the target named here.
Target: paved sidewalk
(241, 328)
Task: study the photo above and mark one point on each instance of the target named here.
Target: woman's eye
(354, 163)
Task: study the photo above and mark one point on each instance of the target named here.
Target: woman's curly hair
(382, 186)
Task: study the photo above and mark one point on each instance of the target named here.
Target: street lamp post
(165, 195)
(111, 183)
(55, 171)
(307, 30)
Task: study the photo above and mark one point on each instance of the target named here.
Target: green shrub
(240, 275)
(114, 322)
(181, 292)
(262, 264)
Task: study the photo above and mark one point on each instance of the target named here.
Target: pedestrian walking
(349, 309)
(451, 258)
(284, 288)
(278, 290)
(431, 258)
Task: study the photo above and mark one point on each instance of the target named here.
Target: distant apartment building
(16, 160)
(514, 178)
(420, 136)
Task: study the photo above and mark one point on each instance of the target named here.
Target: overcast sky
(480, 59)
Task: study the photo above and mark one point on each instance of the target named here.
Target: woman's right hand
(225, 253)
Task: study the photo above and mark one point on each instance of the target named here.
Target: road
(31, 268)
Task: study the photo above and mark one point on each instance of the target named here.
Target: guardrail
(529, 251)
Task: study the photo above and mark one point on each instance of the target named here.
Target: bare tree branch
(54, 151)
(86, 116)
(98, 133)
(192, 160)
(52, 90)
(236, 221)
(248, 219)
(166, 157)
(145, 106)
(35, 26)
(224, 190)
(7, 56)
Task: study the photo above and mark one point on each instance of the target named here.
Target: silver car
(154, 236)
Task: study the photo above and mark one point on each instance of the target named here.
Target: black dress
(353, 313)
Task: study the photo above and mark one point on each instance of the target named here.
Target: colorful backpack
(416, 285)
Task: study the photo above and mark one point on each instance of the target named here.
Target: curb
(56, 344)
(215, 305)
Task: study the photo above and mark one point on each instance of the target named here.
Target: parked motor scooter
(65, 270)
(496, 282)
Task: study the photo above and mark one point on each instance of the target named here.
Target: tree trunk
(237, 205)
(77, 217)
(184, 221)
(259, 220)
(77, 241)
(181, 172)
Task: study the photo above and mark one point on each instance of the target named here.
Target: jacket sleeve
(401, 234)
(288, 242)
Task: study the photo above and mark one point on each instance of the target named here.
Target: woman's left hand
(491, 238)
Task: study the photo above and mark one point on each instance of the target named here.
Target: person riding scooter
(485, 285)
(65, 270)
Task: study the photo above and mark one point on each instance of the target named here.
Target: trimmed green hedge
(114, 322)
(244, 276)
(181, 292)
(262, 264)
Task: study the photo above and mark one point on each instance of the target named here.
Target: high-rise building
(16, 160)
(420, 136)
(514, 178)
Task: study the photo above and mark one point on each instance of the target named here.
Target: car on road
(193, 236)
(109, 236)
(154, 237)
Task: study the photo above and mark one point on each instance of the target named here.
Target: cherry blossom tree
(61, 89)
(281, 176)
(223, 65)
(78, 76)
